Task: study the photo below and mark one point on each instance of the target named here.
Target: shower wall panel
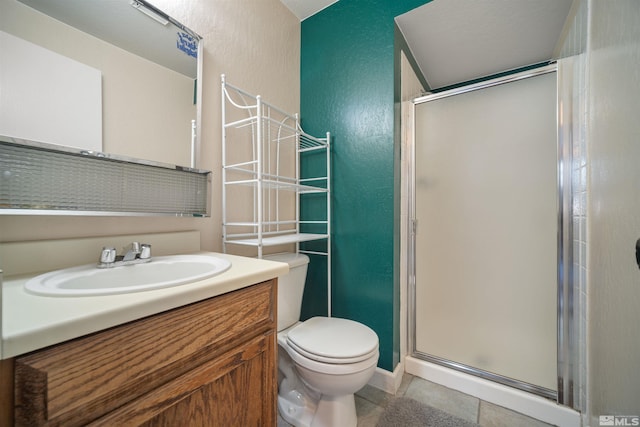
(487, 229)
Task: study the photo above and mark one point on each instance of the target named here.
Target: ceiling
(455, 41)
(305, 8)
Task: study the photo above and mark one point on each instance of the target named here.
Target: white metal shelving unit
(262, 148)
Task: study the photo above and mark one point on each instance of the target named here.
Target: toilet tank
(290, 287)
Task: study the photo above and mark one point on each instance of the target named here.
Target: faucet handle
(108, 255)
(145, 251)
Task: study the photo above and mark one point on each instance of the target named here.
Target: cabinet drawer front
(77, 381)
(236, 389)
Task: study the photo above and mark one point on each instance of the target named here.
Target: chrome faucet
(134, 253)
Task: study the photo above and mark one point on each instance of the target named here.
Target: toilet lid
(331, 339)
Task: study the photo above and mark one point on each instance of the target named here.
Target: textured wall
(613, 207)
(347, 87)
(256, 43)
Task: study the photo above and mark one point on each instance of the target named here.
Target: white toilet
(322, 361)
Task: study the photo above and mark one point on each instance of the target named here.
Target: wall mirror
(149, 65)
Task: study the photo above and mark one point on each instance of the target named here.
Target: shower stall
(489, 226)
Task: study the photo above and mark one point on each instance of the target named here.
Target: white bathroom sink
(160, 272)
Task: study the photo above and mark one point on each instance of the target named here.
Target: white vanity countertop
(30, 322)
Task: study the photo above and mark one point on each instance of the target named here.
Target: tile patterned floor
(370, 402)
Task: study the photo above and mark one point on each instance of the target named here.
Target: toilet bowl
(322, 361)
(331, 359)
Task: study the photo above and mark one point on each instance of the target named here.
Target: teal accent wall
(348, 87)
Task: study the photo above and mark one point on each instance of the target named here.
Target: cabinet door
(74, 383)
(237, 389)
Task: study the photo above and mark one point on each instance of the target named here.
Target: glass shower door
(486, 207)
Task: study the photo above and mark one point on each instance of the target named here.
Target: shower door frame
(565, 323)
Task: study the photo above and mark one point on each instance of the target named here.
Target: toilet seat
(333, 340)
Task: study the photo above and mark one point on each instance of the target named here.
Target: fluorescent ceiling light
(149, 12)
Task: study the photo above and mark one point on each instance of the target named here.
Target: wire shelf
(264, 150)
(278, 240)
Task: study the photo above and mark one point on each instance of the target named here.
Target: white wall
(256, 43)
(613, 207)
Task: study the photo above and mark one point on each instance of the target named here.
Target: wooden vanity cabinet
(211, 363)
